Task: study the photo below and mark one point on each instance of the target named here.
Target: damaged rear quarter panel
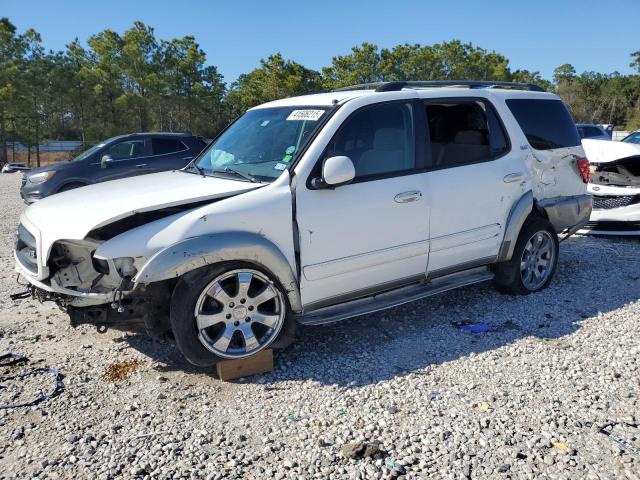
(553, 173)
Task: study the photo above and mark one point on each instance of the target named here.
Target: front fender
(187, 255)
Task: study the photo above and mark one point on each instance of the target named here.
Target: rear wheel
(226, 313)
(534, 260)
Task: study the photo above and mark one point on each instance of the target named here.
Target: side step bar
(393, 298)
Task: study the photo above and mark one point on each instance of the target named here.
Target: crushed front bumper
(66, 295)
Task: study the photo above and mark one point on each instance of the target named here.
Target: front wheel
(534, 260)
(229, 313)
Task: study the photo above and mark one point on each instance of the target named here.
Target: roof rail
(395, 86)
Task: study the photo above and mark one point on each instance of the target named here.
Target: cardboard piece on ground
(261, 362)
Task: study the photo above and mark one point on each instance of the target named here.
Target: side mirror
(336, 171)
(105, 161)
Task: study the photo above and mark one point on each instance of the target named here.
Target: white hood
(72, 215)
(604, 151)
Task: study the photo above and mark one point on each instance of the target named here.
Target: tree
(107, 78)
(9, 53)
(194, 93)
(564, 73)
(361, 66)
(275, 78)
(139, 64)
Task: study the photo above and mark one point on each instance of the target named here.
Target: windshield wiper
(230, 170)
(198, 168)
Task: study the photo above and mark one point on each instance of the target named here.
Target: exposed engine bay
(624, 172)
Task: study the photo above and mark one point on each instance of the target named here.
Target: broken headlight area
(125, 267)
(620, 173)
(73, 266)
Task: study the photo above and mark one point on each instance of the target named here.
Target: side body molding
(518, 214)
(186, 255)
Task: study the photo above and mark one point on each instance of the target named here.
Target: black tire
(183, 322)
(508, 275)
(71, 186)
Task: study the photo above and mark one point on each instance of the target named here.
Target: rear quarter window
(162, 146)
(547, 124)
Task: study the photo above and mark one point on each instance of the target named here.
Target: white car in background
(15, 167)
(615, 186)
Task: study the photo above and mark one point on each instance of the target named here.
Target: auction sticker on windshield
(310, 115)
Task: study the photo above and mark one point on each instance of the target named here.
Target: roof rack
(395, 86)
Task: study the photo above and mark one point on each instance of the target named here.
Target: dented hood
(604, 151)
(72, 215)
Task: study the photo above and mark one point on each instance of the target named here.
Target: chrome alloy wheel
(239, 313)
(537, 260)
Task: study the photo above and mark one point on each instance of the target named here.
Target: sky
(236, 34)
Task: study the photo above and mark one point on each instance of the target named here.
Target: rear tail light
(583, 169)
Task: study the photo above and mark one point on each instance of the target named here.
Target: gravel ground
(405, 392)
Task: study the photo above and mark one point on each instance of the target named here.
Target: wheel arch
(190, 254)
(517, 216)
(66, 183)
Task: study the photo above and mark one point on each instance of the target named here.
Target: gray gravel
(399, 393)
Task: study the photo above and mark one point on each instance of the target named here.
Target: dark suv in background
(117, 157)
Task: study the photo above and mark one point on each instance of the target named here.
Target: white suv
(318, 208)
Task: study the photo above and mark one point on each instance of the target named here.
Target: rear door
(475, 177)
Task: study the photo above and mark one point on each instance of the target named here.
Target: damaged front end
(83, 249)
(624, 172)
(99, 292)
(615, 186)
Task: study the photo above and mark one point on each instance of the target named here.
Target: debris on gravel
(549, 389)
(120, 370)
(359, 450)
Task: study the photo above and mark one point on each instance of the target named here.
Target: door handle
(187, 158)
(141, 165)
(513, 177)
(408, 197)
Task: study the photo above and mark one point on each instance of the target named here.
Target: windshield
(262, 143)
(633, 138)
(88, 152)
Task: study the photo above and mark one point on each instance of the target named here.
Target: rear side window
(161, 146)
(547, 124)
(464, 132)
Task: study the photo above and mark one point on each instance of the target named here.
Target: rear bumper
(568, 213)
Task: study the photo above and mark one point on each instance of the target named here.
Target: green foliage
(275, 78)
(118, 83)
